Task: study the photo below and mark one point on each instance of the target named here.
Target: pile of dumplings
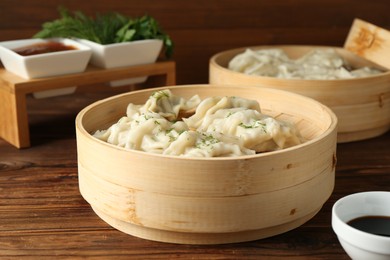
(215, 127)
(318, 64)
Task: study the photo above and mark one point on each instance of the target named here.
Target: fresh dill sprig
(105, 29)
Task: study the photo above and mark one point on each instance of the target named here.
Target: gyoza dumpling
(148, 132)
(211, 105)
(221, 126)
(283, 133)
(256, 131)
(268, 134)
(259, 62)
(115, 132)
(327, 58)
(198, 144)
(167, 105)
(161, 138)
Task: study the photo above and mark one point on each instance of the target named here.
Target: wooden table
(43, 216)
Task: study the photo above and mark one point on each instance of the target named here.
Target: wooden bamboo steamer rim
(368, 98)
(127, 187)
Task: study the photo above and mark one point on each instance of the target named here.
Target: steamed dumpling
(255, 130)
(220, 126)
(211, 105)
(202, 144)
(318, 64)
(168, 105)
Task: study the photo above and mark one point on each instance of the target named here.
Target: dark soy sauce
(43, 47)
(377, 225)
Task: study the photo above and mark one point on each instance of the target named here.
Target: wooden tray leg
(171, 76)
(13, 119)
(168, 78)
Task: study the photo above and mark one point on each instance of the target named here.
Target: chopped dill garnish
(229, 114)
(159, 94)
(146, 117)
(207, 140)
(255, 124)
(245, 126)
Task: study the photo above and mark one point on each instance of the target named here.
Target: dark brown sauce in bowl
(42, 48)
(377, 225)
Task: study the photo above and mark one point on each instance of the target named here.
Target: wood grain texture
(43, 215)
(203, 28)
(369, 41)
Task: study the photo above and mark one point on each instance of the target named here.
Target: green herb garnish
(105, 29)
(206, 141)
(160, 94)
(255, 124)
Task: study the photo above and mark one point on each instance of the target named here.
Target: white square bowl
(124, 54)
(46, 64)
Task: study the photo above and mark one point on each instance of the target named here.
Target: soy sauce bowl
(360, 244)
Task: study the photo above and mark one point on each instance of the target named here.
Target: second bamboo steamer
(362, 105)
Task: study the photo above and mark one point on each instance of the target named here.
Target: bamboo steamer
(208, 200)
(362, 105)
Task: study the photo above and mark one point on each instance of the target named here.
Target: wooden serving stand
(14, 126)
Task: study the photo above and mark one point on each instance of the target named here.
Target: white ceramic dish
(47, 64)
(124, 54)
(359, 244)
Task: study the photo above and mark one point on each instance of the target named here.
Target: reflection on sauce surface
(43, 47)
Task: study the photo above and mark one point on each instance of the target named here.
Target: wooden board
(369, 41)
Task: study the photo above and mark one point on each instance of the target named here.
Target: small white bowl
(124, 54)
(46, 64)
(359, 244)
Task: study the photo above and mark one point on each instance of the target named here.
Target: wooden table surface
(43, 216)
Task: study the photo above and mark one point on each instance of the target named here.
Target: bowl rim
(316, 81)
(332, 127)
(358, 238)
(118, 44)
